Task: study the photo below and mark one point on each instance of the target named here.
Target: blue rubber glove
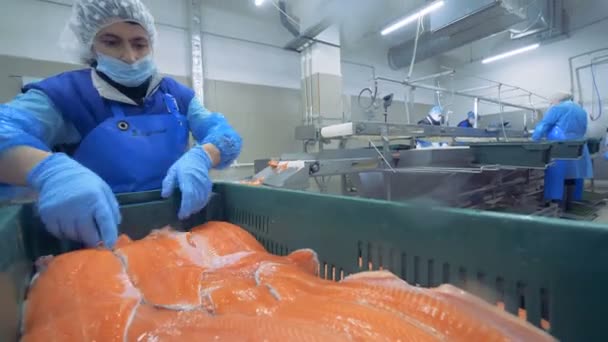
(74, 203)
(191, 174)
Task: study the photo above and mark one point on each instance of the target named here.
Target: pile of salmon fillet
(217, 283)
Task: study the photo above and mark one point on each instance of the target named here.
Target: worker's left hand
(191, 174)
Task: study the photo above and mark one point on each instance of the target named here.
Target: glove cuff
(200, 151)
(40, 172)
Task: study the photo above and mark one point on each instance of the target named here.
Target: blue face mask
(129, 75)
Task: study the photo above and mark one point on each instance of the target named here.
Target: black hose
(372, 93)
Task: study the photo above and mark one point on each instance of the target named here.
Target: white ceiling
(360, 21)
(245, 7)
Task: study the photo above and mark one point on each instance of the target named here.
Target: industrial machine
(478, 168)
(489, 167)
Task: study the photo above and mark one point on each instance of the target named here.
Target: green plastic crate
(556, 270)
(529, 154)
(512, 154)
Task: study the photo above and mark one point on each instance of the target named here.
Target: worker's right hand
(74, 203)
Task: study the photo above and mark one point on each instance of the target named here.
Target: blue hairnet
(436, 110)
(470, 115)
(90, 16)
(213, 128)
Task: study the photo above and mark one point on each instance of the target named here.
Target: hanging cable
(597, 92)
(502, 109)
(534, 107)
(419, 28)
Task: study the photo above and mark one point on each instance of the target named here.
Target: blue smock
(565, 121)
(130, 146)
(465, 124)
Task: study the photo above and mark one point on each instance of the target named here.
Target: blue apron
(561, 170)
(133, 153)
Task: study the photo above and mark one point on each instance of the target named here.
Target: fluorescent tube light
(411, 18)
(510, 53)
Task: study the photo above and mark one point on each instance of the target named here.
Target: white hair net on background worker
(434, 117)
(126, 126)
(90, 16)
(560, 97)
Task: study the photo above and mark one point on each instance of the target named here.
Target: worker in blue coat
(433, 118)
(127, 128)
(469, 122)
(565, 120)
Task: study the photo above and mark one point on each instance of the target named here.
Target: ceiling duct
(461, 22)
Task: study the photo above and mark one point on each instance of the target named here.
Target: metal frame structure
(468, 92)
(196, 46)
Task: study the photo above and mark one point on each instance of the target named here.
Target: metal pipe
(515, 96)
(285, 20)
(196, 46)
(304, 87)
(312, 95)
(571, 64)
(407, 104)
(476, 111)
(505, 85)
(412, 101)
(433, 76)
(479, 88)
(578, 78)
(458, 93)
(373, 68)
(511, 90)
(599, 59)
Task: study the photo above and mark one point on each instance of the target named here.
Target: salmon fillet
(80, 296)
(218, 283)
(153, 324)
(431, 308)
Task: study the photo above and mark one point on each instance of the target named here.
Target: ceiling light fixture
(259, 2)
(510, 53)
(411, 18)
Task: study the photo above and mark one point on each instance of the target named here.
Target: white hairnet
(561, 96)
(90, 16)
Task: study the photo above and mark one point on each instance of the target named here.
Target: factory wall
(38, 38)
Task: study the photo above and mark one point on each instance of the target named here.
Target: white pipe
(312, 95)
(433, 76)
(305, 88)
(307, 85)
(407, 104)
(479, 88)
(476, 111)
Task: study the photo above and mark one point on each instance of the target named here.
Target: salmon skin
(218, 283)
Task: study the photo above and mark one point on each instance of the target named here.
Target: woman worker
(128, 125)
(433, 118)
(565, 120)
(469, 122)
